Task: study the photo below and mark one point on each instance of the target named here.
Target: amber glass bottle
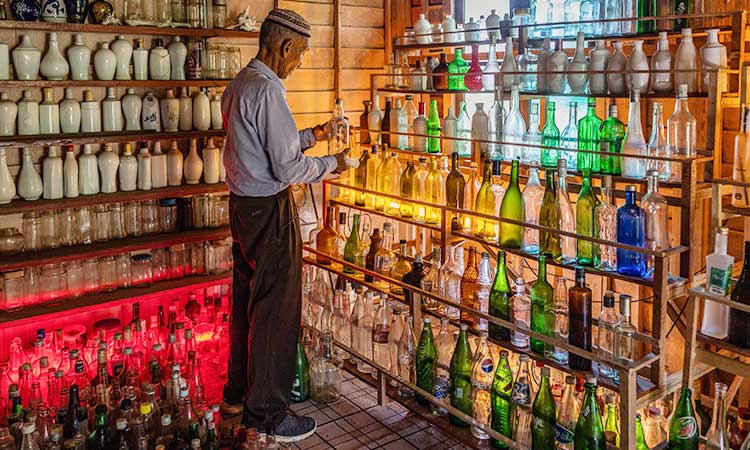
(455, 185)
(325, 241)
(376, 241)
(469, 297)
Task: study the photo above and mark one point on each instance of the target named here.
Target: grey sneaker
(295, 428)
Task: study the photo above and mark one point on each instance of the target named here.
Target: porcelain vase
(140, 61)
(193, 168)
(159, 62)
(638, 62)
(170, 111)
(123, 50)
(28, 115)
(158, 167)
(7, 186)
(131, 109)
(174, 165)
(201, 111)
(79, 57)
(211, 163)
(54, 11)
(70, 113)
(49, 113)
(105, 62)
(30, 185)
(127, 173)
(186, 110)
(108, 162)
(8, 114)
(77, 10)
(25, 10)
(144, 168)
(598, 60)
(88, 172)
(52, 174)
(177, 56)
(112, 112)
(91, 114)
(70, 173)
(150, 117)
(578, 81)
(217, 122)
(26, 60)
(54, 66)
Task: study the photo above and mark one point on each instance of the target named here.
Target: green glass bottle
(485, 204)
(550, 138)
(457, 66)
(360, 177)
(500, 295)
(611, 135)
(511, 235)
(502, 387)
(542, 319)
(461, 377)
(585, 205)
(101, 437)
(301, 383)
(426, 358)
(683, 428)
(433, 128)
(589, 433)
(455, 183)
(647, 8)
(611, 425)
(352, 247)
(549, 216)
(588, 139)
(681, 7)
(544, 416)
(640, 438)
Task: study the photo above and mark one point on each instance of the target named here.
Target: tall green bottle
(511, 235)
(433, 128)
(549, 216)
(683, 428)
(457, 66)
(461, 377)
(588, 139)
(544, 414)
(301, 383)
(101, 437)
(648, 8)
(585, 205)
(640, 438)
(611, 425)
(500, 295)
(426, 358)
(550, 138)
(611, 134)
(352, 246)
(542, 318)
(502, 387)
(589, 433)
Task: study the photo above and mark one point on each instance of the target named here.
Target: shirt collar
(261, 67)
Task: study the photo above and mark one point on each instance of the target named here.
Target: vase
(140, 60)
(686, 59)
(217, 121)
(473, 78)
(541, 65)
(26, 10)
(123, 50)
(7, 186)
(127, 173)
(26, 59)
(29, 182)
(144, 168)
(54, 11)
(177, 56)
(70, 113)
(54, 66)
(101, 12)
(108, 162)
(91, 115)
(105, 62)
(28, 115)
(638, 62)
(617, 63)
(150, 117)
(159, 62)
(598, 60)
(422, 30)
(8, 114)
(449, 27)
(4, 62)
(158, 167)
(49, 113)
(662, 60)
(77, 10)
(557, 63)
(70, 173)
(174, 165)
(211, 162)
(131, 108)
(201, 111)
(52, 174)
(713, 57)
(186, 110)
(170, 111)
(88, 173)
(79, 57)
(193, 168)
(111, 112)
(578, 81)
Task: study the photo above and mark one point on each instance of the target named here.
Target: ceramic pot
(26, 10)
(54, 11)
(422, 30)
(70, 113)
(101, 12)
(193, 165)
(217, 122)
(123, 50)
(144, 168)
(159, 62)
(7, 186)
(211, 163)
(150, 117)
(54, 66)
(174, 165)
(4, 62)
(638, 61)
(76, 10)
(49, 113)
(28, 115)
(127, 173)
(598, 60)
(140, 61)
(11, 241)
(201, 111)
(222, 169)
(70, 173)
(186, 110)
(618, 63)
(108, 162)
(131, 108)
(578, 81)
(88, 173)
(177, 56)
(686, 59)
(29, 182)
(52, 174)
(713, 57)
(105, 62)
(158, 167)
(662, 60)
(79, 57)
(111, 112)
(91, 114)
(557, 62)
(170, 111)
(8, 113)
(26, 59)
(541, 65)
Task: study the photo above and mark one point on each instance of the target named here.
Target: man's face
(292, 51)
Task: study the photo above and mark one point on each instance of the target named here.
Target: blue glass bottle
(631, 230)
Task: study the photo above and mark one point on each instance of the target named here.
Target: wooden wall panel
(315, 13)
(310, 80)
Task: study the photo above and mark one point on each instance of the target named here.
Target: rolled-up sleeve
(281, 141)
(307, 139)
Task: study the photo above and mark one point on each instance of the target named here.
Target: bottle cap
(591, 380)
(503, 353)
(145, 408)
(166, 420)
(630, 188)
(28, 427)
(652, 173)
(625, 304)
(464, 327)
(545, 371)
(724, 231)
(609, 299)
(570, 379)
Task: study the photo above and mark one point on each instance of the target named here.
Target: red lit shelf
(39, 140)
(17, 25)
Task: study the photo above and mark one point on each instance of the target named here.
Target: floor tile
(421, 439)
(360, 419)
(330, 431)
(310, 442)
(399, 445)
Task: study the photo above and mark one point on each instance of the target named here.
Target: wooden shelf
(524, 93)
(17, 25)
(22, 206)
(146, 84)
(112, 247)
(43, 140)
(722, 344)
(101, 298)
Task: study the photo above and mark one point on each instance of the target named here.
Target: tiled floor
(356, 421)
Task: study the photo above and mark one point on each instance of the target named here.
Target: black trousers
(266, 306)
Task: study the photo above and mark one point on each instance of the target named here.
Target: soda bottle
(301, 383)
(101, 438)
(589, 434)
(544, 416)
(425, 360)
(502, 386)
(683, 428)
(461, 377)
(567, 416)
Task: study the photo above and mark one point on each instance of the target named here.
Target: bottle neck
(533, 176)
(634, 119)
(653, 184)
(542, 269)
(514, 174)
(551, 114)
(492, 56)
(630, 197)
(720, 244)
(720, 414)
(573, 116)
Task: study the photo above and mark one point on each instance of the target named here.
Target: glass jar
(117, 227)
(163, 13)
(53, 283)
(178, 261)
(85, 223)
(219, 256)
(140, 269)
(50, 237)
(197, 258)
(185, 213)
(133, 219)
(148, 10)
(150, 217)
(211, 63)
(235, 61)
(222, 69)
(122, 268)
(102, 222)
(32, 231)
(68, 227)
(193, 13)
(220, 13)
(107, 273)
(14, 290)
(159, 264)
(220, 211)
(75, 278)
(201, 211)
(178, 12)
(133, 10)
(168, 215)
(90, 275)
(31, 274)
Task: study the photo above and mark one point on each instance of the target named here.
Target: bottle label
(458, 393)
(487, 365)
(563, 435)
(718, 280)
(686, 428)
(442, 388)
(521, 394)
(380, 335)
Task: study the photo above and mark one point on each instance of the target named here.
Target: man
(263, 156)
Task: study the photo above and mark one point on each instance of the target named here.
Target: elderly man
(263, 157)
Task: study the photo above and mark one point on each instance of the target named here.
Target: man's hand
(341, 165)
(322, 131)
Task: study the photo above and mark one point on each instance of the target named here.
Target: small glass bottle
(219, 11)
(624, 333)
(631, 230)
(325, 373)
(606, 327)
(657, 145)
(717, 437)
(560, 314)
(682, 126)
(605, 223)
(656, 211)
(635, 143)
(521, 307)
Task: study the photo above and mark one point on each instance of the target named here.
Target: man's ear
(286, 47)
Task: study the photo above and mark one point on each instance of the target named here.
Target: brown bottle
(385, 125)
(325, 241)
(441, 82)
(376, 240)
(579, 326)
(364, 135)
(469, 288)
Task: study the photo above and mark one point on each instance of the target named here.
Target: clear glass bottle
(567, 417)
(497, 119)
(514, 128)
(533, 193)
(480, 128)
(634, 144)
(560, 313)
(380, 330)
(482, 375)
(605, 333)
(567, 213)
(441, 376)
(624, 333)
(569, 137)
(463, 131)
(682, 126)
(533, 137)
(521, 310)
(492, 66)
(605, 227)
(719, 266)
(657, 217)
(657, 145)
(407, 346)
(717, 437)
(325, 373)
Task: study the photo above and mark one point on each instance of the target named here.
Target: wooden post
(337, 47)
(628, 404)
(659, 320)
(692, 324)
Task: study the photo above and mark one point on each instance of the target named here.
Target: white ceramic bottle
(449, 24)
(7, 186)
(686, 59)
(618, 64)
(140, 60)
(108, 162)
(91, 114)
(201, 111)
(70, 113)
(217, 122)
(28, 115)
(4, 62)
(158, 167)
(8, 115)
(111, 112)
(211, 162)
(105, 62)
(30, 186)
(26, 59)
(150, 116)
(170, 111)
(713, 57)
(123, 50)
(54, 66)
(144, 167)
(598, 60)
(131, 109)
(193, 168)
(662, 60)
(186, 110)
(79, 57)
(52, 174)
(374, 120)
(422, 30)
(638, 62)
(127, 173)
(88, 173)
(174, 165)
(49, 113)
(578, 81)
(177, 56)
(70, 172)
(158, 62)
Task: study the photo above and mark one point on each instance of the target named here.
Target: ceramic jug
(25, 10)
(211, 162)
(131, 108)
(159, 62)
(70, 113)
(123, 50)
(422, 30)
(108, 162)
(638, 61)
(186, 110)
(193, 165)
(449, 24)
(105, 62)
(111, 112)
(127, 173)
(170, 112)
(49, 113)
(79, 57)
(140, 61)
(144, 167)
(618, 63)
(52, 174)
(88, 173)
(174, 165)
(7, 186)
(91, 115)
(177, 56)
(662, 60)
(598, 60)
(217, 122)
(686, 59)
(70, 173)
(54, 66)
(26, 59)
(30, 185)
(201, 111)
(150, 117)
(4, 62)
(158, 167)
(28, 115)
(54, 11)
(578, 81)
(8, 113)
(713, 57)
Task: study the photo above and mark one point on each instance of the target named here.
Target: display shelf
(17, 25)
(365, 209)
(98, 299)
(526, 93)
(44, 140)
(109, 248)
(22, 206)
(144, 84)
